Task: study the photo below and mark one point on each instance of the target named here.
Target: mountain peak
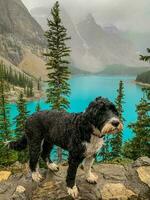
(111, 28)
(90, 18)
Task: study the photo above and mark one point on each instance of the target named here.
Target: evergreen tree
(20, 124)
(57, 65)
(39, 84)
(140, 144)
(38, 108)
(16, 78)
(6, 156)
(58, 73)
(116, 140)
(4, 112)
(147, 57)
(31, 89)
(21, 117)
(105, 150)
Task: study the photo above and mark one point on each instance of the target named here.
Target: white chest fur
(95, 144)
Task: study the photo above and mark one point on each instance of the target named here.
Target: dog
(79, 133)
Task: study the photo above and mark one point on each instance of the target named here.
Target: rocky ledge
(116, 182)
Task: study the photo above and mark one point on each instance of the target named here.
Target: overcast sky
(132, 15)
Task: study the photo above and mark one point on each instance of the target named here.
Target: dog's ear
(98, 98)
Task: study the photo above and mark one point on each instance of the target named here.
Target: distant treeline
(144, 77)
(17, 78)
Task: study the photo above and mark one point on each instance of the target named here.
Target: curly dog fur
(79, 133)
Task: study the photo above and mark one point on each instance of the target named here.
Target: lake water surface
(85, 88)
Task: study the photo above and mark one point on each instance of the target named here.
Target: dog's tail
(19, 145)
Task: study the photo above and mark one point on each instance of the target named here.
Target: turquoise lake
(85, 88)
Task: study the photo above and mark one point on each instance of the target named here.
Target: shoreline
(141, 84)
(37, 96)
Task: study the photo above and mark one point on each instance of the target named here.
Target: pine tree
(16, 78)
(31, 94)
(39, 84)
(105, 150)
(116, 140)
(5, 131)
(20, 124)
(21, 117)
(57, 65)
(58, 73)
(140, 144)
(38, 108)
(147, 57)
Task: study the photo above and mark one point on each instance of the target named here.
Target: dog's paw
(92, 178)
(53, 167)
(36, 176)
(73, 192)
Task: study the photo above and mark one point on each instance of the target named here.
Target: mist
(125, 14)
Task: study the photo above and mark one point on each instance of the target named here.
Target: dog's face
(103, 115)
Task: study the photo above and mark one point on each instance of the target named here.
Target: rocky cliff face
(19, 33)
(107, 47)
(116, 182)
(16, 20)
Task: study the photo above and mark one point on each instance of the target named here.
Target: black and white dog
(81, 134)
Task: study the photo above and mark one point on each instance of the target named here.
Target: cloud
(131, 15)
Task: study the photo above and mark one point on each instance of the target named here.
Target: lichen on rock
(4, 175)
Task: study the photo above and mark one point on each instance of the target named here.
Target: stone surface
(117, 191)
(20, 189)
(4, 175)
(112, 172)
(144, 174)
(115, 182)
(143, 161)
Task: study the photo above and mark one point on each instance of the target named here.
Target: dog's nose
(115, 123)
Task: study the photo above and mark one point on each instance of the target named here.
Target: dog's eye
(113, 108)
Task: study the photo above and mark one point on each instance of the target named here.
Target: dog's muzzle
(113, 126)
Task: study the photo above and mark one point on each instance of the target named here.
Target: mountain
(141, 40)
(123, 70)
(15, 19)
(22, 41)
(20, 33)
(76, 43)
(93, 47)
(144, 77)
(110, 28)
(108, 47)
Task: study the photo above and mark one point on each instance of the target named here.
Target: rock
(18, 196)
(113, 172)
(144, 174)
(3, 187)
(143, 161)
(115, 182)
(17, 165)
(4, 175)
(135, 184)
(116, 191)
(20, 189)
